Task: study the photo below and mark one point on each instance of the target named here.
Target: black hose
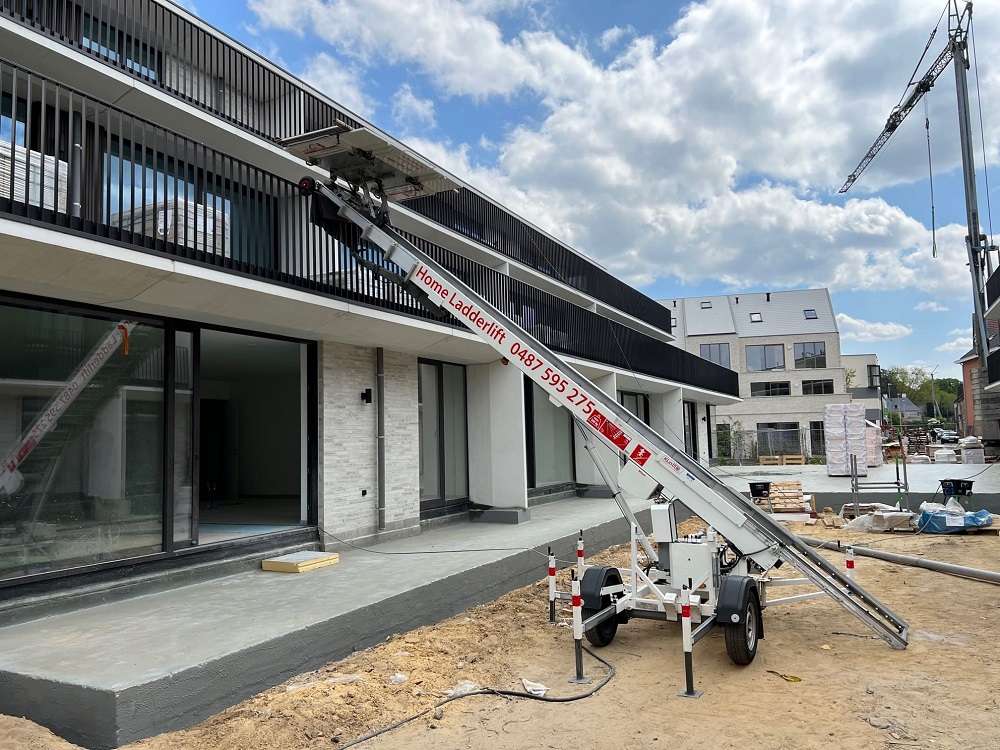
(491, 691)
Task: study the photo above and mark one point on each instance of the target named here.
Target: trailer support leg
(689, 691)
(578, 633)
(552, 587)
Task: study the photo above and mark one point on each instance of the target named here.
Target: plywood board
(301, 562)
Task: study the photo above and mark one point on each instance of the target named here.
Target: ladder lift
(725, 571)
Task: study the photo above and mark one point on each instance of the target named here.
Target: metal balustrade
(205, 68)
(74, 162)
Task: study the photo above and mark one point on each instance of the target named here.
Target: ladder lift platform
(723, 573)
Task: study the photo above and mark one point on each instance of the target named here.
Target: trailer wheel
(603, 633)
(742, 637)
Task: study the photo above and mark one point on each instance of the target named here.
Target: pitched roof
(756, 314)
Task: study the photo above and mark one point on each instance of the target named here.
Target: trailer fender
(734, 595)
(594, 579)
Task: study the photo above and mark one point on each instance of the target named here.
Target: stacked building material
(844, 427)
(873, 444)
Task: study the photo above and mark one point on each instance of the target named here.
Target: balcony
(993, 295)
(993, 367)
(172, 51)
(75, 163)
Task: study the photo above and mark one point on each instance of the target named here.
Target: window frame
(719, 353)
(805, 359)
(808, 310)
(822, 391)
(771, 385)
(764, 357)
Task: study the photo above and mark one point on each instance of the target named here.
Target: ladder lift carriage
(725, 571)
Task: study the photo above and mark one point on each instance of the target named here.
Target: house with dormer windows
(785, 347)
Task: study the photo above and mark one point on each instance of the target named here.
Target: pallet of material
(793, 460)
(785, 497)
(300, 562)
(770, 460)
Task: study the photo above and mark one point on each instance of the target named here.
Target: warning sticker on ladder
(609, 429)
(640, 455)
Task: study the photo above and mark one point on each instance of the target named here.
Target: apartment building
(785, 349)
(187, 362)
(864, 382)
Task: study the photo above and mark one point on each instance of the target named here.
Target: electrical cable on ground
(491, 691)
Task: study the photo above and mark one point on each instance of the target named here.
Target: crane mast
(957, 51)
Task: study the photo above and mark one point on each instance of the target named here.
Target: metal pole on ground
(552, 586)
(689, 691)
(578, 632)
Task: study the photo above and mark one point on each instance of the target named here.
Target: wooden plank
(770, 460)
(300, 562)
(793, 460)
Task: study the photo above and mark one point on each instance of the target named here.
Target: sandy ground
(848, 689)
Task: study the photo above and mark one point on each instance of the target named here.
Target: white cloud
(956, 346)
(853, 329)
(930, 306)
(715, 155)
(408, 109)
(610, 37)
(340, 82)
(958, 332)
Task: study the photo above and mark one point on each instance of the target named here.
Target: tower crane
(957, 50)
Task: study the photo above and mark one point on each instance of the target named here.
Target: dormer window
(756, 318)
(810, 314)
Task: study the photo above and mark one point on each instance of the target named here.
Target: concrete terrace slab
(114, 673)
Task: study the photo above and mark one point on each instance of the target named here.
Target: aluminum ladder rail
(746, 527)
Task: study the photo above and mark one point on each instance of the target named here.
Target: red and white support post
(688, 640)
(579, 556)
(578, 632)
(552, 586)
(849, 562)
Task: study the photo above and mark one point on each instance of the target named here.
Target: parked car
(948, 436)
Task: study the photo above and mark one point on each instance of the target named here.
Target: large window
(637, 403)
(718, 353)
(770, 389)
(817, 387)
(81, 430)
(550, 439)
(765, 357)
(444, 456)
(817, 438)
(811, 354)
(118, 47)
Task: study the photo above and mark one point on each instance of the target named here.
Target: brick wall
(347, 438)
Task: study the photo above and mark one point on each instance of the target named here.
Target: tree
(849, 374)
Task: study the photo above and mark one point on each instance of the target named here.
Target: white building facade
(785, 347)
(244, 377)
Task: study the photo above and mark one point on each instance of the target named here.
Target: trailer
(720, 578)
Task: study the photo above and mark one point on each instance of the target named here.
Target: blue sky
(691, 148)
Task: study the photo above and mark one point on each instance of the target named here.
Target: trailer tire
(742, 637)
(594, 579)
(603, 633)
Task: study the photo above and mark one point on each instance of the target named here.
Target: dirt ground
(820, 679)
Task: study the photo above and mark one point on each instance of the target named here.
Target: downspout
(380, 446)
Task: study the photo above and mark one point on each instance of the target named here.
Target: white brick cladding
(348, 442)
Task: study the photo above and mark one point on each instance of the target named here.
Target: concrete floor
(110, 674)
(106, 675)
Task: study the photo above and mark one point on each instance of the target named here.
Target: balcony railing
(162, 47)
(993, 289)
(485, 222)
(74, 162)
(993, 367)
(203, 67)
